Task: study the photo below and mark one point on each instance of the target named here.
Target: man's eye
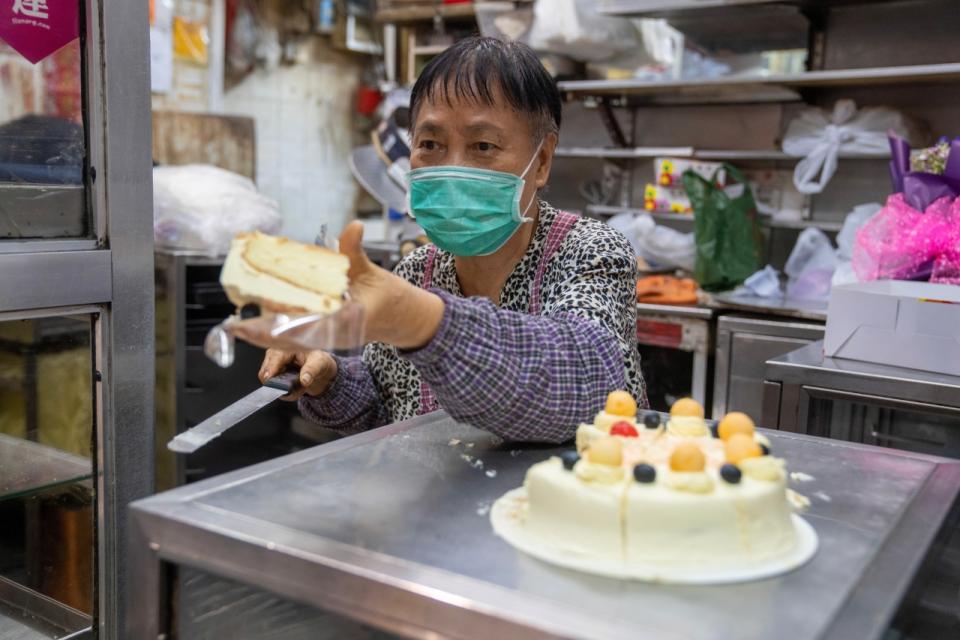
(486, 146)
(428, 145)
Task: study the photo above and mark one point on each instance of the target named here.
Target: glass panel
(46, 473)
(42, 145)
(932, 432)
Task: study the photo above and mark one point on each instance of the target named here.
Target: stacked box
(667, 194)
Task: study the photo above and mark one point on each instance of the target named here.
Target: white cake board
(507, 519)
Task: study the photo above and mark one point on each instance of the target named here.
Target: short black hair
(472, 68)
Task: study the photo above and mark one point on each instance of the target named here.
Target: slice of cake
(284, 276)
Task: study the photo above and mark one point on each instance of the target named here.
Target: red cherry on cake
(625, 429)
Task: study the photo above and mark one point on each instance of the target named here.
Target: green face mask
(467, 211)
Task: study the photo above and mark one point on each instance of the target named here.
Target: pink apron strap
(428, 402)
(428, 267)
(558, 233)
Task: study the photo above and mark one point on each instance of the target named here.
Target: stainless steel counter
(808, 364)
(680, 311)
(785, 307)
(391, 527)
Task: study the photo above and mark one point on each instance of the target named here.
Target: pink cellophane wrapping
(901, 243)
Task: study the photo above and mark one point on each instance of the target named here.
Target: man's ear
(545, 156)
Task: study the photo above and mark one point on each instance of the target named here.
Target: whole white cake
(673, 494)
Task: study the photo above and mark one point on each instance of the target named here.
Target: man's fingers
(313, 367)
(274, 362)
(351, 245)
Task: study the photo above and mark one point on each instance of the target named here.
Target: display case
(76, 310)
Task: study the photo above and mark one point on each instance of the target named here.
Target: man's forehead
(467, 112)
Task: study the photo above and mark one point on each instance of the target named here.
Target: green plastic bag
(726, 231)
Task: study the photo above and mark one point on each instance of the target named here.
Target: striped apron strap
(558, 233)
(428, 402)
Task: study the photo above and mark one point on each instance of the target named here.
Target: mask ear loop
(523, 176)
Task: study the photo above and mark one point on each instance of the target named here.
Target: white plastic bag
(848, 233)
(810, 266)
(764, 283)
(575, 29)
(821, 137)
(202, 207)
(861, 213)
(658, 245)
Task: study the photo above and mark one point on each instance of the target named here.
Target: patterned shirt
(522, 376)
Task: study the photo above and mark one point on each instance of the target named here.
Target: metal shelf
(766, 221)
(28, 467)
(689, 152)
(609, 210)
(666, 8)
(397, 15)
(772, 88)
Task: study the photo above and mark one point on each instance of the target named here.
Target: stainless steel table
(794, 381)
(391, 527)
(782, 306)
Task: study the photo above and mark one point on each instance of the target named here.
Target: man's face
(472, 134)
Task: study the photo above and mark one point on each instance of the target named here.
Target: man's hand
(395, 312)
(317, 370)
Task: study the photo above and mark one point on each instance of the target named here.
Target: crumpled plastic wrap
(903, 243)
(341, 332)
(202, 207)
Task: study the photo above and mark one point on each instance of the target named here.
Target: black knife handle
(286, 381)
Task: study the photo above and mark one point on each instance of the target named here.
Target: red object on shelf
(368, 99)
(456, 1)
(659, 334)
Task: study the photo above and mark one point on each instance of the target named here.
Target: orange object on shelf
(666, 290)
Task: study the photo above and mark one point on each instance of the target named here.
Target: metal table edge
(691, 312)
(236, 537)
(782, 366)
(899, 558)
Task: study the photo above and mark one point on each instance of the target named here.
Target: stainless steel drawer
(744, 344)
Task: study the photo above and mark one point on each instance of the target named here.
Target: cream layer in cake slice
(284, 276)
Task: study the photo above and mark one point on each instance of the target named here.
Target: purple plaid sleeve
(521, 377)
(351, 404)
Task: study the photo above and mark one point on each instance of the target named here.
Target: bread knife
(211, 428)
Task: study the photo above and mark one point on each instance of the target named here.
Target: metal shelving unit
(661, 8)
(608, 210)
(403, 15)
(772, 88)
(742, 155)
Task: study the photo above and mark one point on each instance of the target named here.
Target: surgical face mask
(468, 211)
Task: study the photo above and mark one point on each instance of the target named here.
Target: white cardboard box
(905, 324)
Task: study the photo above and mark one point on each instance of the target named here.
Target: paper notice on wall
(161, 46)
(161, 60)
